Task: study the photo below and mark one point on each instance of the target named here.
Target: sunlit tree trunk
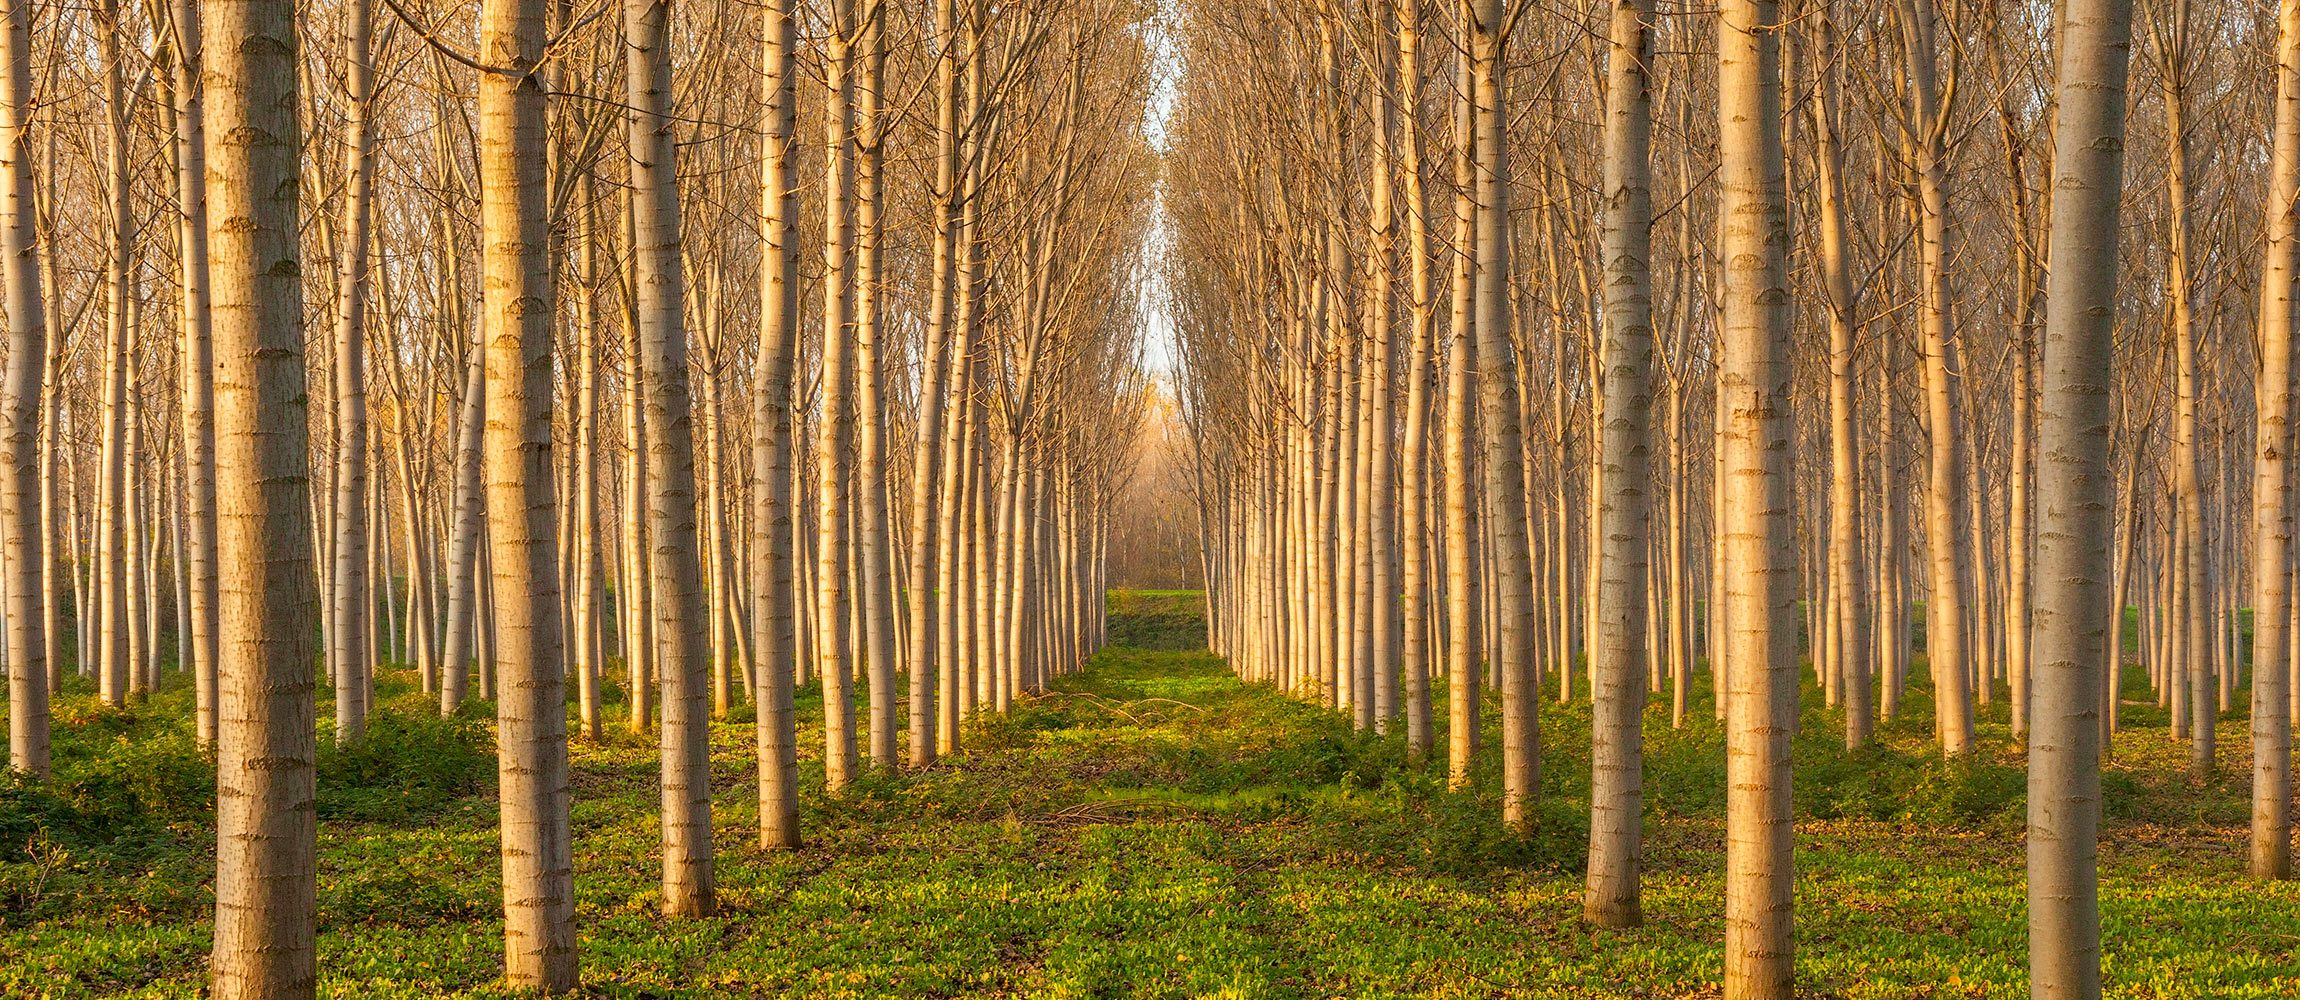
(2271, 478)
(20, 405)
(1617, 682)
(79, 565)
(983, 543)
(1947, 534)
(266, 867)
(2075, 487)
(128, 579)
(590, 558)
(469, 503)
(110, 621)
(196, 366)
(2192, 596)
(1759, 565)
(953, 605)
(678, 601)
(2019, 530)
(831, 469)
(1849, 591)
(1893, 633)
(1460, 499)
(1420, 576)
(636, 599)
(772, 584)
(1377, 610)
(875, 566)
(1511, 568)
(518, 306)
(348, 609)
(929, 465)
(711, 491)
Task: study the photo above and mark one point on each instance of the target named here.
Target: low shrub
(407, 765)
(1170, 631)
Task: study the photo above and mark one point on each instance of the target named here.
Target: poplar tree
(518, 305)
(2075, 486)
(2272, 661)
(267, 878)
(1617, 677)
(1755, 531)
(678, 609)
(774, 582)
(21, 558)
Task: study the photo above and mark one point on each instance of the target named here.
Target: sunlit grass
(1152, 828)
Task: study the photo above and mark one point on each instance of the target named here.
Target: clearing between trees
(1152, 827)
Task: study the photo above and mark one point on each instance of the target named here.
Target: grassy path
(1154, 828)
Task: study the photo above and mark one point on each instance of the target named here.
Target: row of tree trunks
(1294, 595)
(509, 491)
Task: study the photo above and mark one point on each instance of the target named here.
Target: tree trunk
(589, 561)
(1617, 684)
(1460, 500)
(266, 867)
(1417, 613)
(772, 585)
(875, 560)
(196, 364)
(1756, 533)
(463, 608)
(931, 446)
(2192, 597)
(20, 404)
(2075, 487)
(641, 653)
(1510, 560)
(678, 606)
(832, 499)
(112, 530)
(347, 612)
(1946, 532)
(1848, 590)
(2271, 478)
(518, 306)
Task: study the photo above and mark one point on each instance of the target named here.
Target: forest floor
(1153, 828)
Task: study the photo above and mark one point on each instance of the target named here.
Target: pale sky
(1165, 91)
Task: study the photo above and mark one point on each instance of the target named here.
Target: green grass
(1153, 828)
(1157, 620)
